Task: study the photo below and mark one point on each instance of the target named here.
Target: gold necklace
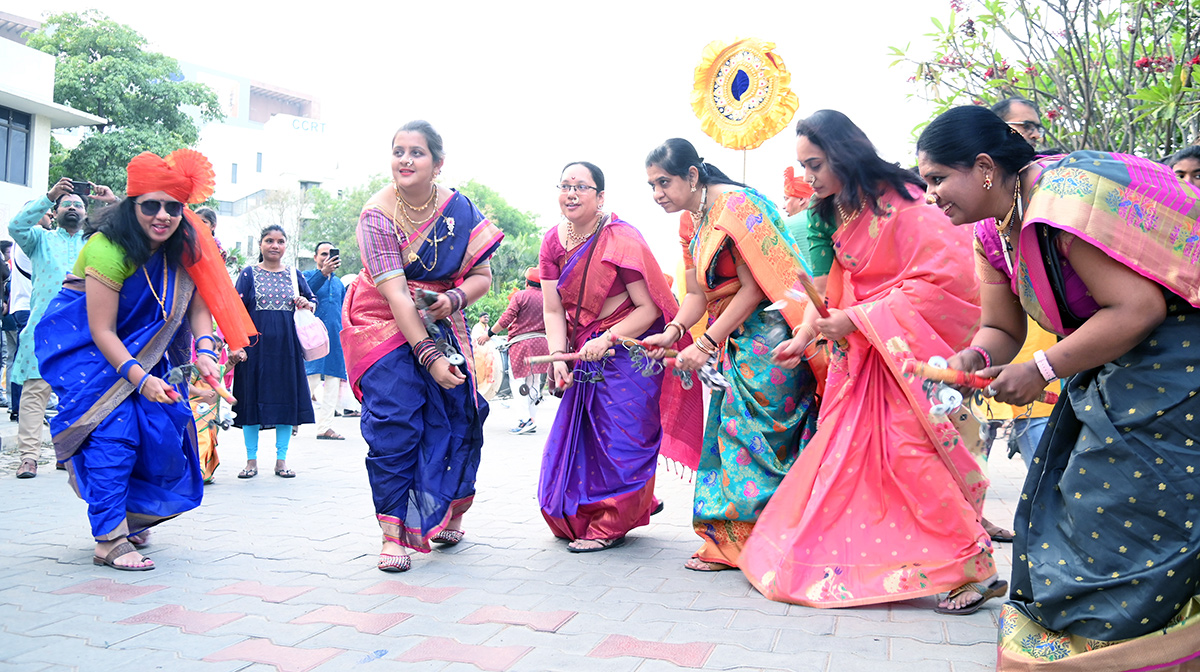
(1004, 227)
(415, 244)
(423, 208)
(847, 218)
(161, 301)
(575, 239)
(699, 215)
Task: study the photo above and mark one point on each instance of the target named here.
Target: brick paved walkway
(275, 574)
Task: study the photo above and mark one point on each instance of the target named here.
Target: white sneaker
(526, 427)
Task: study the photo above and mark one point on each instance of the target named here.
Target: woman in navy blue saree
(421, 417)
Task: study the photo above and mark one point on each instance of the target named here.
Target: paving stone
(690, 654)
(960, 666)
(435, 595)
(178, 643)
(193, 622)
(262, 592)
(796, 642)
(545, 621)
(811, 621)
(491, 658)
(280, 632)
(909, 650)
(361, 621)
(110, 590)
(930, 632)
(284, 658)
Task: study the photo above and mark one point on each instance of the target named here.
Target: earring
(987, 182)
(693, 188)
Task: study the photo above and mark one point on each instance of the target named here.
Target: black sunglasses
(150, 208)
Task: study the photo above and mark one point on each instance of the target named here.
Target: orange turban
(188, 177)
(532, 274)
(795, 187)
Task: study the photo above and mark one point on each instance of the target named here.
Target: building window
(14, 145)
(305, 185)
(258, 163)
(233, 175)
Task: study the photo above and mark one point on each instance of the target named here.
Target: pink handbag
(314, 337)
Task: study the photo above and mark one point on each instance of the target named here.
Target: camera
(81, 187)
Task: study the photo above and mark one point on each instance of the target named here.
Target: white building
(28, 113)
(271, 147)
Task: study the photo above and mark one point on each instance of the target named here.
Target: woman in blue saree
(421, 417)
(109, 339)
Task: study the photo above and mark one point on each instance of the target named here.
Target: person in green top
(107, 344)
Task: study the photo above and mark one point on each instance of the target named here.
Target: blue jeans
(1027, 434)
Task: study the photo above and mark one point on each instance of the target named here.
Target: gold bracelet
(678, 326)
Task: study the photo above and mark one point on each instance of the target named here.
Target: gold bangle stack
(706, 344)
(678, 326)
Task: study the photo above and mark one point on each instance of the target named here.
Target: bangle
(123, 371)
(142, 383)
(706, 345)
(458, 298)
(204, 351)
(803, 326)
(987, 359)
(426, 352)
(678, 326)
(1044, 367)
(209, 337)
(715, 346)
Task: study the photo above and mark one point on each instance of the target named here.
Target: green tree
(335, 219)
(104, 68)
(1116, 75)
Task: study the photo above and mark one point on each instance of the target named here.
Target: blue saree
(424, 442)
(132, 460)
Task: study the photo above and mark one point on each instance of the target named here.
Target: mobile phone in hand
(81, 187)
(334, 253)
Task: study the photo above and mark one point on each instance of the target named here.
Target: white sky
(517, 89)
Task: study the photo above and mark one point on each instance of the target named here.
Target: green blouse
(820, 244)
(105, 261)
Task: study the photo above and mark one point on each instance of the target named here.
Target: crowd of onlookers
(46, 244)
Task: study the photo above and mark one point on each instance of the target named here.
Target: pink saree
(884, 504)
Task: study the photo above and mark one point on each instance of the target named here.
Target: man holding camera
(327, 373)
(53, 253)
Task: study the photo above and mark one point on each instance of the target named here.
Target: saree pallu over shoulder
(370, 330)
(89, 388)
(620, 245)
(757, 427)
(748, 221)
(1133, 209)
(904, 481)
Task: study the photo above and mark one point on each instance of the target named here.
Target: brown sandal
(997, 588)
(123, 548)
(698, 565)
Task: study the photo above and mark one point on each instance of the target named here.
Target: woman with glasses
(739, 260)
(422, 244)
(1100, 249)
(107, 342)
(600, 283)
(269, 380)
(884, 504)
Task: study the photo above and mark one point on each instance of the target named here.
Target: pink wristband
(1044, 367)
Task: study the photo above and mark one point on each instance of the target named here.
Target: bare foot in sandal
(969, 597)
(593, 545)
(131, 560)
(698, 565)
